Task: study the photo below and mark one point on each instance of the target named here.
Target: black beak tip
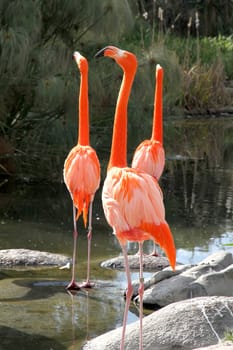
(100, 53)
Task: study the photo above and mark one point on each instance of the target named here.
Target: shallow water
(37, 311)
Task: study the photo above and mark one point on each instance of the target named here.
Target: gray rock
(219, 260)
(218, 283)
(27, 257)
(150, 263)
(174, 289)
(183, 325)
(220, 346)
(212, 276)
(159, 276)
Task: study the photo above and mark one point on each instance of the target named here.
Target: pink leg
(140, 293)
(128, 295)
(153, 253)
(137, 251)
(73, 285)
(87, 283)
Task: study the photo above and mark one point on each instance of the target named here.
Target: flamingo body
(82, 177)
(133, 207)
(149, 156)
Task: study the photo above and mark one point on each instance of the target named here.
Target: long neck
(83, 128)
(157, 128)
(118, 155)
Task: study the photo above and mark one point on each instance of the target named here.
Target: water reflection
(11, 336)
(48, 310)
(35, 307)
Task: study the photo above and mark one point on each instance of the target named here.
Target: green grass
(228, 336)
(220, 47)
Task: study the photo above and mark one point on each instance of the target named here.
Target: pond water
(37, 311)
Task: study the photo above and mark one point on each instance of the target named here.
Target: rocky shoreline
(196, 306)
(195, 302)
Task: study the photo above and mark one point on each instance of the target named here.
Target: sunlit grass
(228, 336)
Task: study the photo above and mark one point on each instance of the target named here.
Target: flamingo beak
(100, 53)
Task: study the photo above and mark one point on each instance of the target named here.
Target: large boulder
(183, 325)
(212, 276)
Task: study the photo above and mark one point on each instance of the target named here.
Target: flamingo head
(159, 70)
(123, 58)
(81, 62)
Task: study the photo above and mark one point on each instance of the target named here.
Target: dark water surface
(37, 312)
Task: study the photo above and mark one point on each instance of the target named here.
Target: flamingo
(149, 156)
(82, 172)
(132, 199)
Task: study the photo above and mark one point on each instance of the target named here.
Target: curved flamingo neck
(118, 156)
(157, 128)
(83, 128)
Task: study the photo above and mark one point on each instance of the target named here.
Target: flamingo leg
(129, 294)
(155, 251)
(73, 285)
(87, 283)
(140, 292)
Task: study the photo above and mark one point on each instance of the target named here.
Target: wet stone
(27, 257)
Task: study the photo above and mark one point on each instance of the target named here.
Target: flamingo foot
(87, 284)
(154, 253)
(73, 286)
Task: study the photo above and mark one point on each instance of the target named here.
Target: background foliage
(39, 82)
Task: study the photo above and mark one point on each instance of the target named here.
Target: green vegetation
(229, 336)
(39, 81)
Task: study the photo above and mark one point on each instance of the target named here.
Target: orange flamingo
(149, 156)
(82, 171)
(132, 199)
